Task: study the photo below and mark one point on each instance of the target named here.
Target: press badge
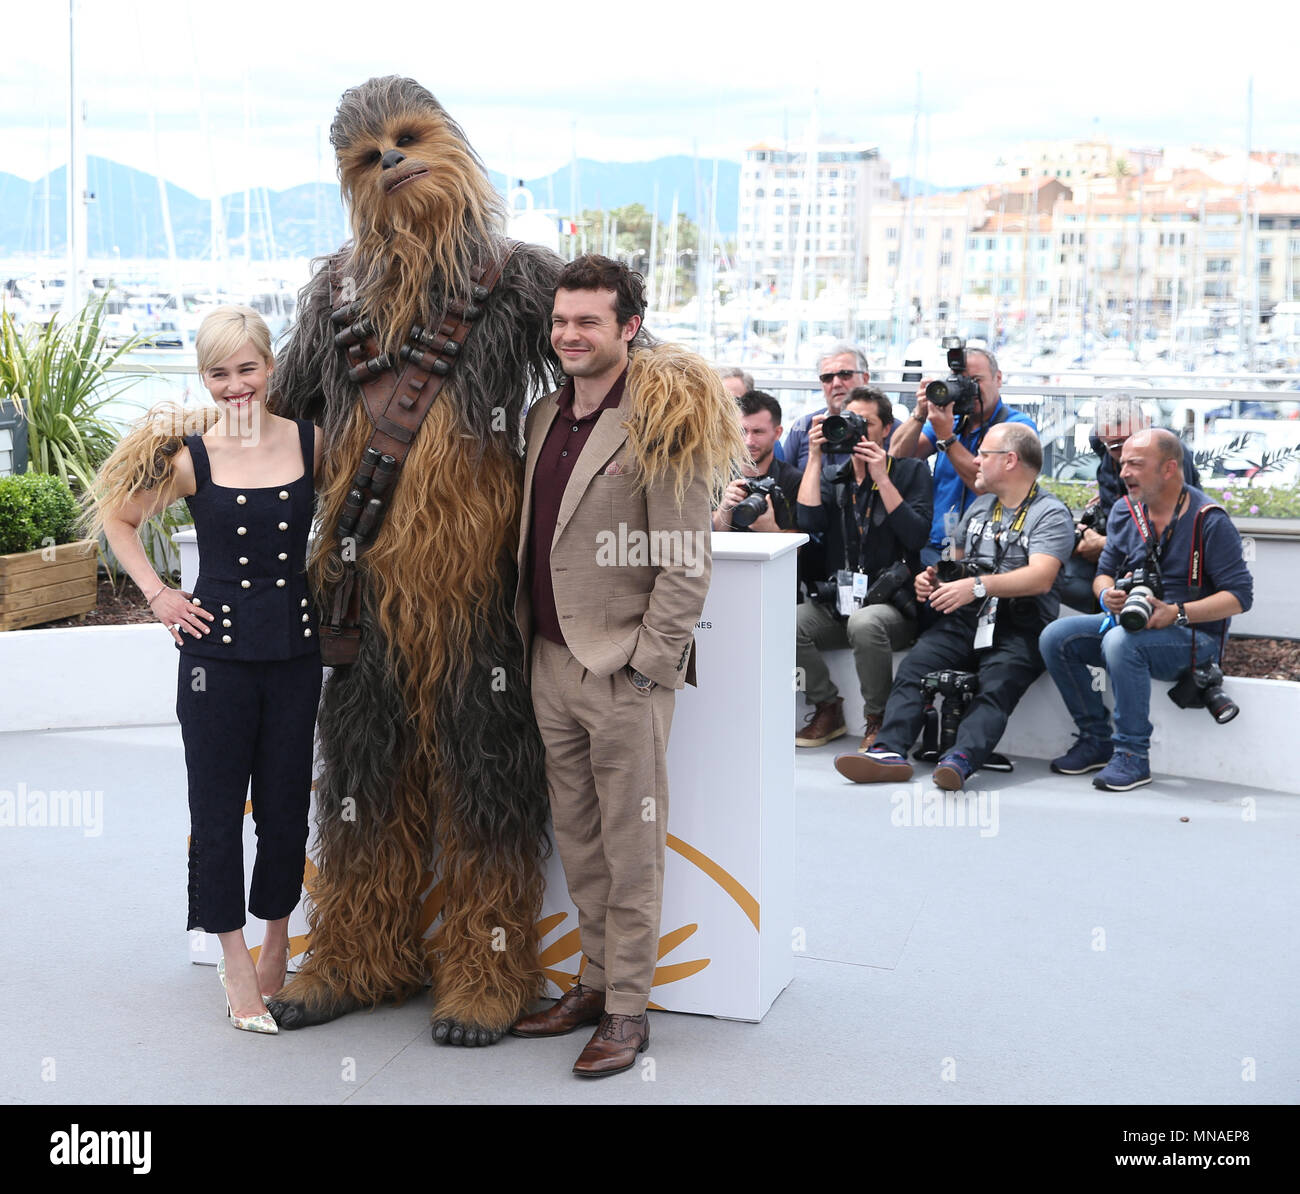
(860, 588)
(845, 586)
(984, 626)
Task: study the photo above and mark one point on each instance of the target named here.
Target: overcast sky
(619, 81)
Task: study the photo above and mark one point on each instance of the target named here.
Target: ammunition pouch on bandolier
(397, 398)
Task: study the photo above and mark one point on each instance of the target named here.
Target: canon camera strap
(1140, 520)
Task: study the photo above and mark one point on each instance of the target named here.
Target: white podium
(728, 909)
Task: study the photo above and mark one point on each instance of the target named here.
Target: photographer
(874, 513)
(959, 417)
(994, 601)
(747, 503)
(1184, 577)
(1118, 416)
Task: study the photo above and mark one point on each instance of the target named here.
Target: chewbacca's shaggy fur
(684, 423)
(428, 741)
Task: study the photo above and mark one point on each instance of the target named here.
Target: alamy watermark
(61, 809)
(915, 807)
(652, 549)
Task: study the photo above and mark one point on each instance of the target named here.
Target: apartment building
(829, 205)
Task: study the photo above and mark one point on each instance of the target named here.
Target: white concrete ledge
(1186, 742)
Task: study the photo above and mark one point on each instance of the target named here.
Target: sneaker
(871, 728)
(823, 724)
(876, 766)
(1123, 772)
(1087, 754)
(953, 771)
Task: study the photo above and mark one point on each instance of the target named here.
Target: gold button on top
(284, 526)
(284, 555)
(279, 584)
(303, 603)
(247, 584)
(241, 499)
(243, 559)
(225, 638)
(241, 530)
(284, 495)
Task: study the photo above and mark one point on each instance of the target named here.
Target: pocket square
(613, 469)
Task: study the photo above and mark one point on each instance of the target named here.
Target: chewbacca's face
(389, 169)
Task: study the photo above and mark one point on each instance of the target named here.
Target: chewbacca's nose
(393, 157)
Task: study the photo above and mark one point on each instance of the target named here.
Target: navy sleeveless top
(252, 562)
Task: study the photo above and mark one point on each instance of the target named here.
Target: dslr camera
(894, 587)
(960, 391)
(1087, 521)
(946, 571)
(1143, 586)
(842, 432)
(1202, 688)
(759, 489)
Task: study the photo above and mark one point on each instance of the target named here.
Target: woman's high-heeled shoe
(287, 955)
(264, 1022)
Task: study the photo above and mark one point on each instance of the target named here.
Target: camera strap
(1017, 524)
(855, 524)
(1196, 574)
(1141, 520)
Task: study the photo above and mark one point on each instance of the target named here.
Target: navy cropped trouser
(247, 722)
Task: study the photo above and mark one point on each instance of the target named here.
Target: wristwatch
(944, 444)
(1182, 619)
(980, 589)
(639, 681)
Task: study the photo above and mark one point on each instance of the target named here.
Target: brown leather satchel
(397, 395)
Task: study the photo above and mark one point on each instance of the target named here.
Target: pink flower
(1254, 509)
(1227, 493)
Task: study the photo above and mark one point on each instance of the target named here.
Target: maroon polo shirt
(555, 463)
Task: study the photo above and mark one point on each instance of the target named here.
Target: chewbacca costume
(427, 741)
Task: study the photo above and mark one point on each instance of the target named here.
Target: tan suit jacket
(630, 570)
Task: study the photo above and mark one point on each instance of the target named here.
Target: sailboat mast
(76, 178)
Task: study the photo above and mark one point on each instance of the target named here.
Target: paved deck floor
(1085, 947)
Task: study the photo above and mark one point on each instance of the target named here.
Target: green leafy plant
(36, 510)
(58, 375)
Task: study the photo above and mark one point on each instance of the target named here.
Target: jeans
(1005, 669)
(1132, 659)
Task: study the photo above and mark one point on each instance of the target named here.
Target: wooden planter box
(49, 583)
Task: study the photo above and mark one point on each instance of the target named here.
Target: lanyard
(859, 522)
(1141, 517)
(1017, 523)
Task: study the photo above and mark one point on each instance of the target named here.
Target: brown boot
(873, 722)
(614, 1046)
(823, 724)
(579, 1005)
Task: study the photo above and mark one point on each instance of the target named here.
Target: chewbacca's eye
(372, 157)
(404, 139)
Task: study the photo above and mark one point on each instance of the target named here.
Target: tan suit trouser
(607, 777)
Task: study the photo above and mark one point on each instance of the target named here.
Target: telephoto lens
(1137, 609)
(842, 432)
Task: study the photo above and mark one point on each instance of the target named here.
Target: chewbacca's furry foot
(305, 1001)
(453, 1032)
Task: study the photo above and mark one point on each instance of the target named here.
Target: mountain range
(126, 220)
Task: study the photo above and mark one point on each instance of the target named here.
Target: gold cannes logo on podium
(568, 945)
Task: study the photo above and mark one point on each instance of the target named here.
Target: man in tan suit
(613, 571)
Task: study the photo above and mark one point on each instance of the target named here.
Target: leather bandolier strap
(397, 395)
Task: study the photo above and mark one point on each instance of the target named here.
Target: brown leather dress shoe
(579, 1005)
(614, 1046)
(824, 723)
(871, 727)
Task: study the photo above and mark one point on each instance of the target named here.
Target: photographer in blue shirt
(1183, 577)
(954, 429)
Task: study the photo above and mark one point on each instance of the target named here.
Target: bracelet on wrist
(156, 595)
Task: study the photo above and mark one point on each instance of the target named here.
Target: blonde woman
(250, 673)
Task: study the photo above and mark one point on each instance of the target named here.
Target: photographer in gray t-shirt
(996, 588)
